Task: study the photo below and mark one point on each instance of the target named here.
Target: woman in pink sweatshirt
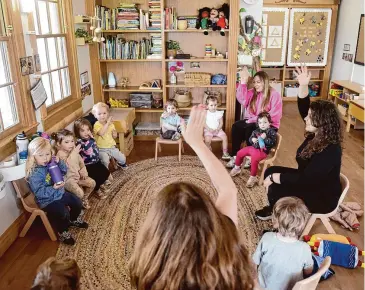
(260, 98)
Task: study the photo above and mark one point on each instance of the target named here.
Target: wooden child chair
(345, 183)
(27, 197)
(311, 282)
(269, 160)
(160, 140)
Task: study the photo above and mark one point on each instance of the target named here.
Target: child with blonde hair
(77, 179)
(105, 133)
(281, 258)
(57, 274)
(213, 126)
(62, 207)
(90, 154)
(170, 121)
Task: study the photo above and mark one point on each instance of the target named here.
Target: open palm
(302, 75)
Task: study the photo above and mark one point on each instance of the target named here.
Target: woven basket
(197, 78)
(183, 98)
(216, 94)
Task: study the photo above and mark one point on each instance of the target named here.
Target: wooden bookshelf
(145, 70)
(130, 89)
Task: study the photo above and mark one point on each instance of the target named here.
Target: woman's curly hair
(326, 118)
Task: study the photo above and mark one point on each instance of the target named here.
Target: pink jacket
(275, 106)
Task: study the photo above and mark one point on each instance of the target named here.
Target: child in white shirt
(213, 126)
(281, 258)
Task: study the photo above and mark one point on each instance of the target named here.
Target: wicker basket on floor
(197, 78)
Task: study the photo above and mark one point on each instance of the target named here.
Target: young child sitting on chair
(281, 258)
(213, 126)
(104, 133)
(261, 142)
(170, 121)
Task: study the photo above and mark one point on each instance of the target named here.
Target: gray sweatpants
(106, 153)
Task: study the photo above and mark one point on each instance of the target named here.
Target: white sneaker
(235, 171)
(247, 163)
(252, 181)
(231, 162)
(226, 156)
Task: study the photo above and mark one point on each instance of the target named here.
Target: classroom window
(52, 49)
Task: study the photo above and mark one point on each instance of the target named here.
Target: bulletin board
(359, 55)
(274, 35)
(309, 36)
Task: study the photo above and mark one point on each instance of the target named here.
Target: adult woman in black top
(317, 179)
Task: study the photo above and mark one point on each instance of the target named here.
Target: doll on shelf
(203, 20)
(223, 18)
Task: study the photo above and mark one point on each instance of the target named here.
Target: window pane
(47, 87)
(43, 17)
(53, 14)
(66, 83)
(2, 22)
(52, 52)
(56, 86)
(5, 74)
(8, 109)
(42, 54)
(62, 51)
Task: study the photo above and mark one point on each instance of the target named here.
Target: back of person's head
(35, 147)
(186, 243)
(290, 216)
(57, 275)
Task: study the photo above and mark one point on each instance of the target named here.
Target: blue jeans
(60, 214)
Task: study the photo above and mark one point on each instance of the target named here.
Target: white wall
(347, 31)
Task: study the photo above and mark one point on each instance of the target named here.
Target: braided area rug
(103, 250)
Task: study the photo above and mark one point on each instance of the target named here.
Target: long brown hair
(326, 118)
(58, 275)
(186, 243)
(266, 93)
(79, 123)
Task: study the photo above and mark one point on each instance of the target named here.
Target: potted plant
(82, 36)
(172, 48)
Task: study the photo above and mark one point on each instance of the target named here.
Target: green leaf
(242, 10)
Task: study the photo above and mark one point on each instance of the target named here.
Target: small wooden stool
(160, 141)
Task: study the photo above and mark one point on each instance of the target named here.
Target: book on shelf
(124, 17)
(154, 9)
(170, 18)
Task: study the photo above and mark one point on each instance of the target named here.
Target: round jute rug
(103, 250)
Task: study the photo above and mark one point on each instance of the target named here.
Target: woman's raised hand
(302, 75)
(244, 75)
(193, 131)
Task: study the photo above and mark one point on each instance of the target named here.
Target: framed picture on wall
(359, 54)
(84, 78)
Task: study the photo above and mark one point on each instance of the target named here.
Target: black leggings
(314, 200)
(241, 131)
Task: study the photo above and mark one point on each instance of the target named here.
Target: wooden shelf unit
(142, 70)
(350, 88)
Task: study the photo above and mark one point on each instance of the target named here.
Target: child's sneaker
(231, 162)
(226, 156)
(107, 183)
(85, 204)
(235, 171)
(123, 166)
(66, 238)
(247, 163)
(176, 136)
(79, 223)
(252, 181)
(101, 194)
(104, 189)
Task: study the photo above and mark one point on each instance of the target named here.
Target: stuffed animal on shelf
(223, 21)
(203, 20)
(344, 255)
(213, 17)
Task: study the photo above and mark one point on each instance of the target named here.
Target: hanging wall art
(309, 36)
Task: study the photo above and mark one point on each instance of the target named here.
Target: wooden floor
(18, 265)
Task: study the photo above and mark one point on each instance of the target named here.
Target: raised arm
(242, 92)
(303, 77)
(226, 202)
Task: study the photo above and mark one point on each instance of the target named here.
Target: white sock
(237, 167)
